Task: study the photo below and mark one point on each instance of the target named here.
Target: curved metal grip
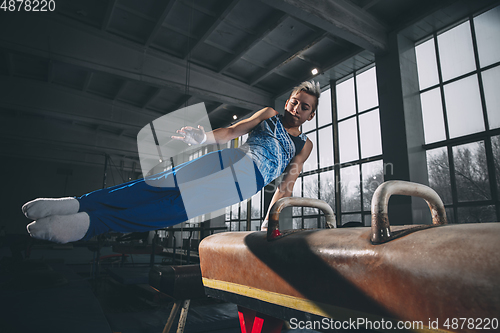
(381, 230)
(274, 216)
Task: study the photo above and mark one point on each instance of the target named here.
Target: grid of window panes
(459, 80)
(317, 177)
(359, 165)
(237, 215)
(360, 146)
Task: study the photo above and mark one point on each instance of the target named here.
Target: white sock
(43, 207)
(60, 228)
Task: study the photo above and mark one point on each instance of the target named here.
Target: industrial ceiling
(81, 81)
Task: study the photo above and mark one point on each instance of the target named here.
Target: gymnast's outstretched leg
(60, 228)
(138, 206)
(43, 207)
(84, 225)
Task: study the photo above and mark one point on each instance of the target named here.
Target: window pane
(256, 206)
(369, 132)
(297, 192)
(297, 188)
(228, 213)
(243, 211)
(439, 173)
(327, 187)
(243, 139)
(432, 113)
(476, 214)
(235, 226)
(345, 99)
(495, 146)
(255, 225)
(450, 215)
(351, 218)
(297, 223)
(243, 226)
(348, 140)
(463, 107)
(367, 220)
(426, 64)
(366, 84)
(349, 189)
(487, 28)
(310, 191)
(455, 51)
(325, 147)
(310, 223)
(324, 112)
(312, 162)
(373, 176)
(235, 212)
(471, 172)
(491, 84)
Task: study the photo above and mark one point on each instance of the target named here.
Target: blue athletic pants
(159, 201)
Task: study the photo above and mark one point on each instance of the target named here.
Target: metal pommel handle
(273, 231)
(381, 230)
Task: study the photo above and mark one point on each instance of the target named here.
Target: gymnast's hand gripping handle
(191, 135)
(381, 230)
(273, 231)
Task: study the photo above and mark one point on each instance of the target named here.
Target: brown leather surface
(450, 271)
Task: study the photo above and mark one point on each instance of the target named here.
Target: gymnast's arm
(224, 135)
(290, 175)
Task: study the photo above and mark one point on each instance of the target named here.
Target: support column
(402, 127)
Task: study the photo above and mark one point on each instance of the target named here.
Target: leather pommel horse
(426, 273)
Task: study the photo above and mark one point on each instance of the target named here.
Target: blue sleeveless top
(272, 148)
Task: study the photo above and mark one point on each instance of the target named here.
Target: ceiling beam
(251, 42)
(209, 28)
(340, 18)
(88, 80)
(220, 107)
(61, 153)
(122, 88)
(334, 61)
(201, 9)
(94, 50)
(285, 58)
(64, 103)
(109, 14)
(159, 23)
(186, 100)
(56, 133)
(367, 4)
(152, 97)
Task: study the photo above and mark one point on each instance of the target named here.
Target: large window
(348, 178)
(360, 147)
(459, 80)
(237, 215)
(344, 169)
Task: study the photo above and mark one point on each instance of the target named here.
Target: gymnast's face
(300, 108)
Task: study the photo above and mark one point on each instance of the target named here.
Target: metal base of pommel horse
(424, 274)
(183, 283)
